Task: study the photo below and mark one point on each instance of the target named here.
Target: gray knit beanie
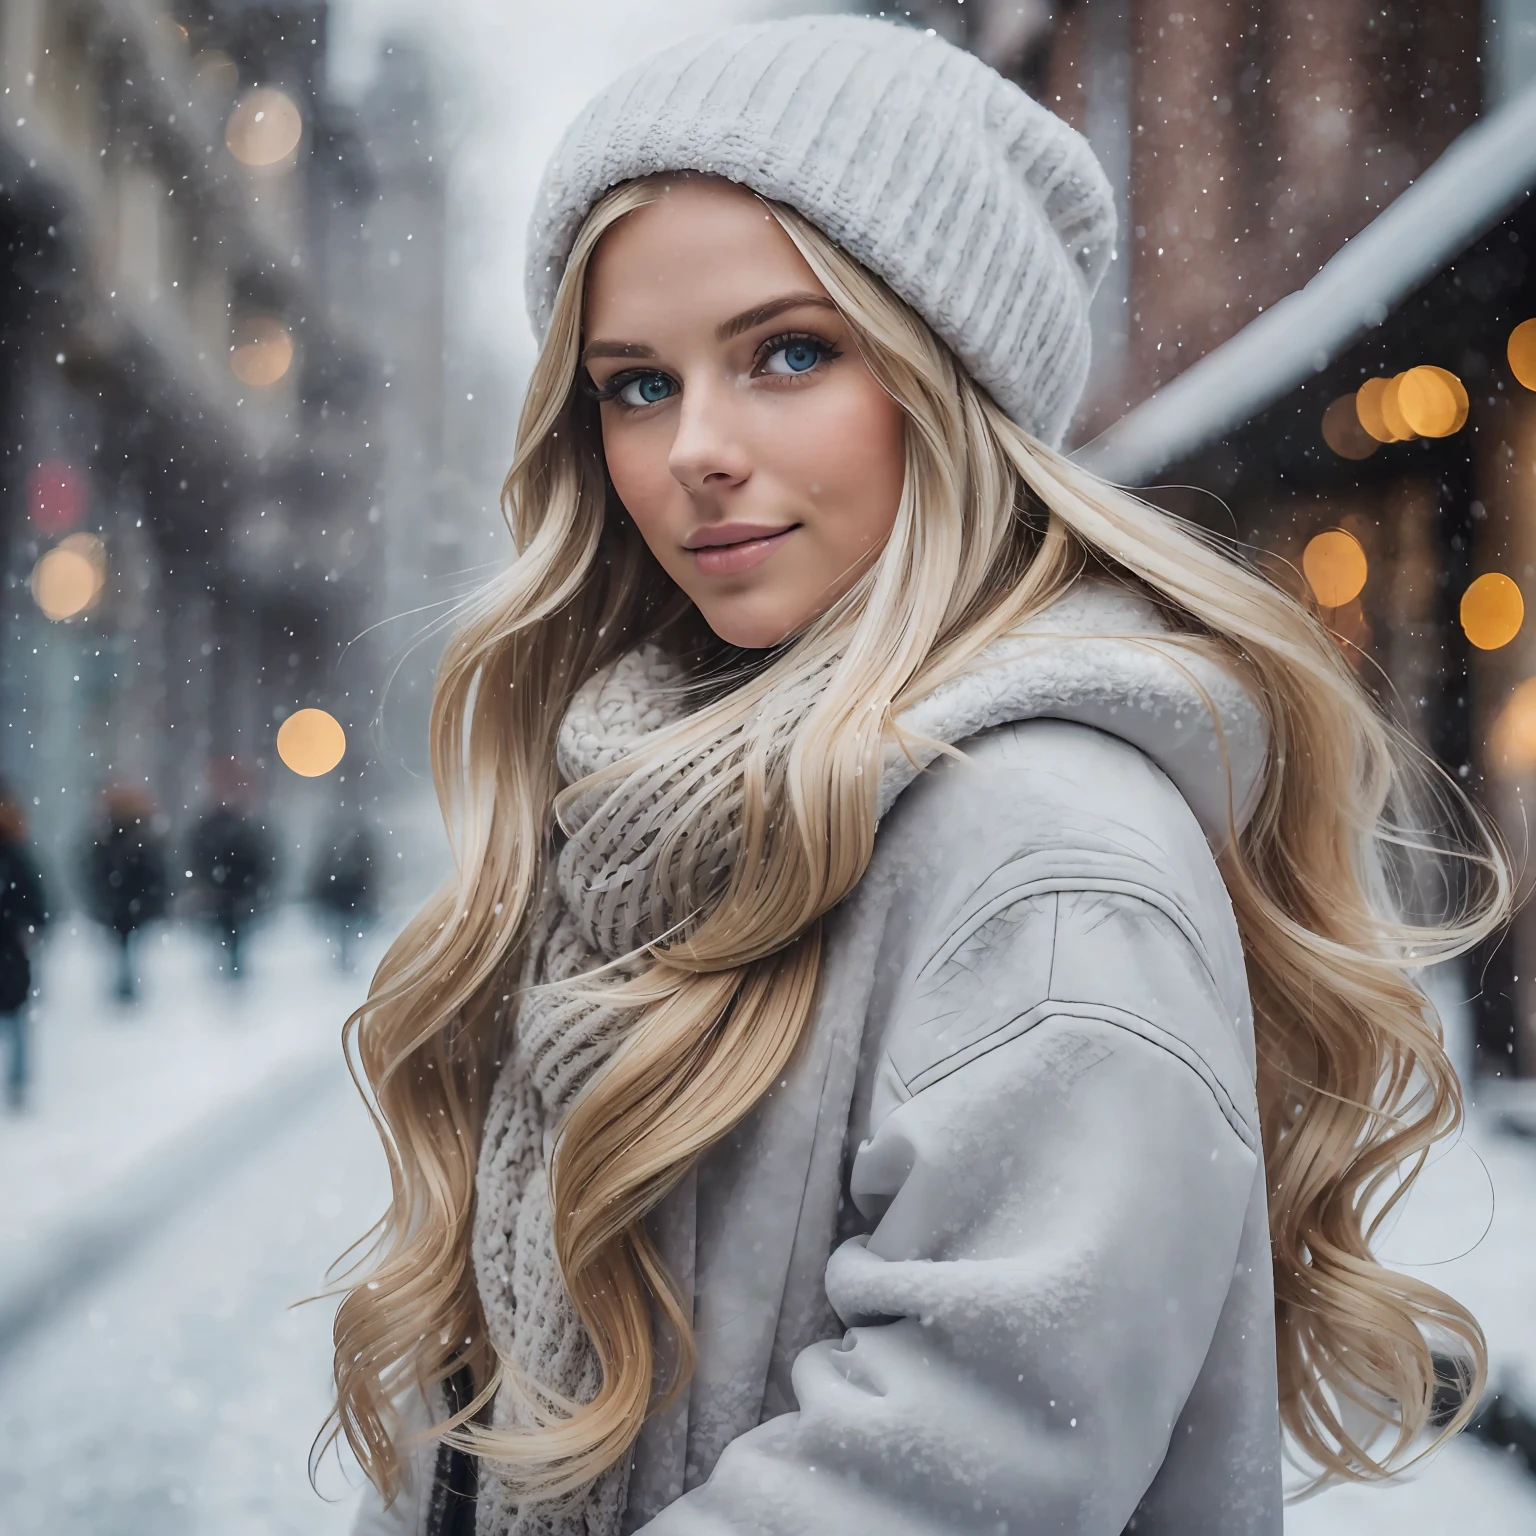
(982, 209)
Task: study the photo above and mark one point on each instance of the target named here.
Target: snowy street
(191, 1169)
(190, 1389)
(219, 1126)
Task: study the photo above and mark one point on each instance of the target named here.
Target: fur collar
(1101, 656)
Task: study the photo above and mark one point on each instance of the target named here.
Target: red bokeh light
(55, 496)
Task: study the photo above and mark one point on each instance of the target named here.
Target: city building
(1316, 198)
(406, 240)
(1251, 146)
(202, 286)
(1271, 439)
(1246, 143)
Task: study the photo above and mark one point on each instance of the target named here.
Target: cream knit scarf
(605, 898)
(585, 918)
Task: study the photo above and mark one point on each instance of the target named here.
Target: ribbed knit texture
(980, 208)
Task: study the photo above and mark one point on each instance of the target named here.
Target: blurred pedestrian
(23, 914)
(344, 886)
(232, 864)
(124, 879)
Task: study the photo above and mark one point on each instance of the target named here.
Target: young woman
(922, 1020)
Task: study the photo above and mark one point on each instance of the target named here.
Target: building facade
(195, 399)
(1254, 148)
(1246, 142)
(406, 239)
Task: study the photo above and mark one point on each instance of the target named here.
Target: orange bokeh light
(264, 128)
(1512, 741)
(263, 353)
(311, 742)
(1335, 567)
(67, 579)
(1522, 353)
(1368, 401)
(1392, 412)
(1432, 401)
(1492, 611)
(1343, 432)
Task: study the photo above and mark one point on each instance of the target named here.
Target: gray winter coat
(994, 1257)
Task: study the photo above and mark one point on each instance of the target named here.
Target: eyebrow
(615, 349)
(725, 331)
(749, 318)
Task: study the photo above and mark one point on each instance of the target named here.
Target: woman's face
(761, 461)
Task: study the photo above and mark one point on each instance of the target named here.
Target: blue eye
(798, 356)
(646, 389)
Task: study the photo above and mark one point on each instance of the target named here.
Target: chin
(747, 630)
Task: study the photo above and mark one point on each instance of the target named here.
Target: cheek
(638, 465)
(851, 459)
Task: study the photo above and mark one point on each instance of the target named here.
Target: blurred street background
(261, 347)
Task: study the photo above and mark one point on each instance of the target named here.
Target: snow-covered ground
(116, 1085)
(180, 1395)
(1469, 1227)
(191, 1168)
(174, 1388)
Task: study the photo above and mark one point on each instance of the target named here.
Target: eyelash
(829, 353)
(610, 390)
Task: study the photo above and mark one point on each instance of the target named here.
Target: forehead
(705, 251)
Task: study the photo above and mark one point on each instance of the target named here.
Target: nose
(707, 452)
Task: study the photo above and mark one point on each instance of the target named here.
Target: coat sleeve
(1055, 1182)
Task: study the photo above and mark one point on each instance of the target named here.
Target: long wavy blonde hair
(1354, 1084)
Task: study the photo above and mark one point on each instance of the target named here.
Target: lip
(733, 547)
